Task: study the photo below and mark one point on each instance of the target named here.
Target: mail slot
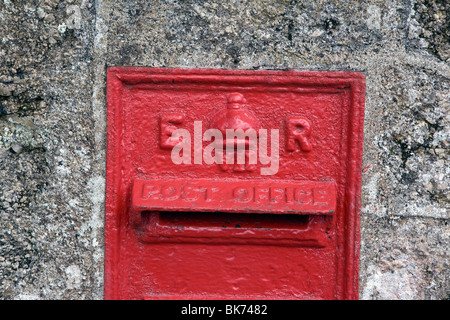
(259, 212)
(233, 184)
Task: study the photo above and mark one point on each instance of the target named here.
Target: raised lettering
(243, 194)
(298, 131)
(168, 122)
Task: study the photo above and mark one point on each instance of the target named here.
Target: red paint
(208, 231)
(245, 196)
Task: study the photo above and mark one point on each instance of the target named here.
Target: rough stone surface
(50, 231)
(53, 60)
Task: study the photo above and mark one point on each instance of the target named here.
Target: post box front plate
(193, 229)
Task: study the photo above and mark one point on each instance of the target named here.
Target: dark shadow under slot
(230, 220)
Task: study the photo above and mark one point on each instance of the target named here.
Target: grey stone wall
(53, 60)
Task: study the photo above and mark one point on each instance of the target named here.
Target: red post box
(233, 184)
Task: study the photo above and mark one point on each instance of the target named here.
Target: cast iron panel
(186, 218)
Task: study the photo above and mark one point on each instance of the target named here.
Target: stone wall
(53, 60)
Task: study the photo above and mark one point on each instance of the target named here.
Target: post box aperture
(233, 184)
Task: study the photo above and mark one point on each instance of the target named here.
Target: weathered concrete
(53, 59)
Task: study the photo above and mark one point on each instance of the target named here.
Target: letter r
(298, 130)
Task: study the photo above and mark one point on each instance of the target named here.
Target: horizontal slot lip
(225, 296)
(309, 234)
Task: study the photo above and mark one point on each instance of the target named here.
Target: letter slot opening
(285, 213)
(230, 220)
